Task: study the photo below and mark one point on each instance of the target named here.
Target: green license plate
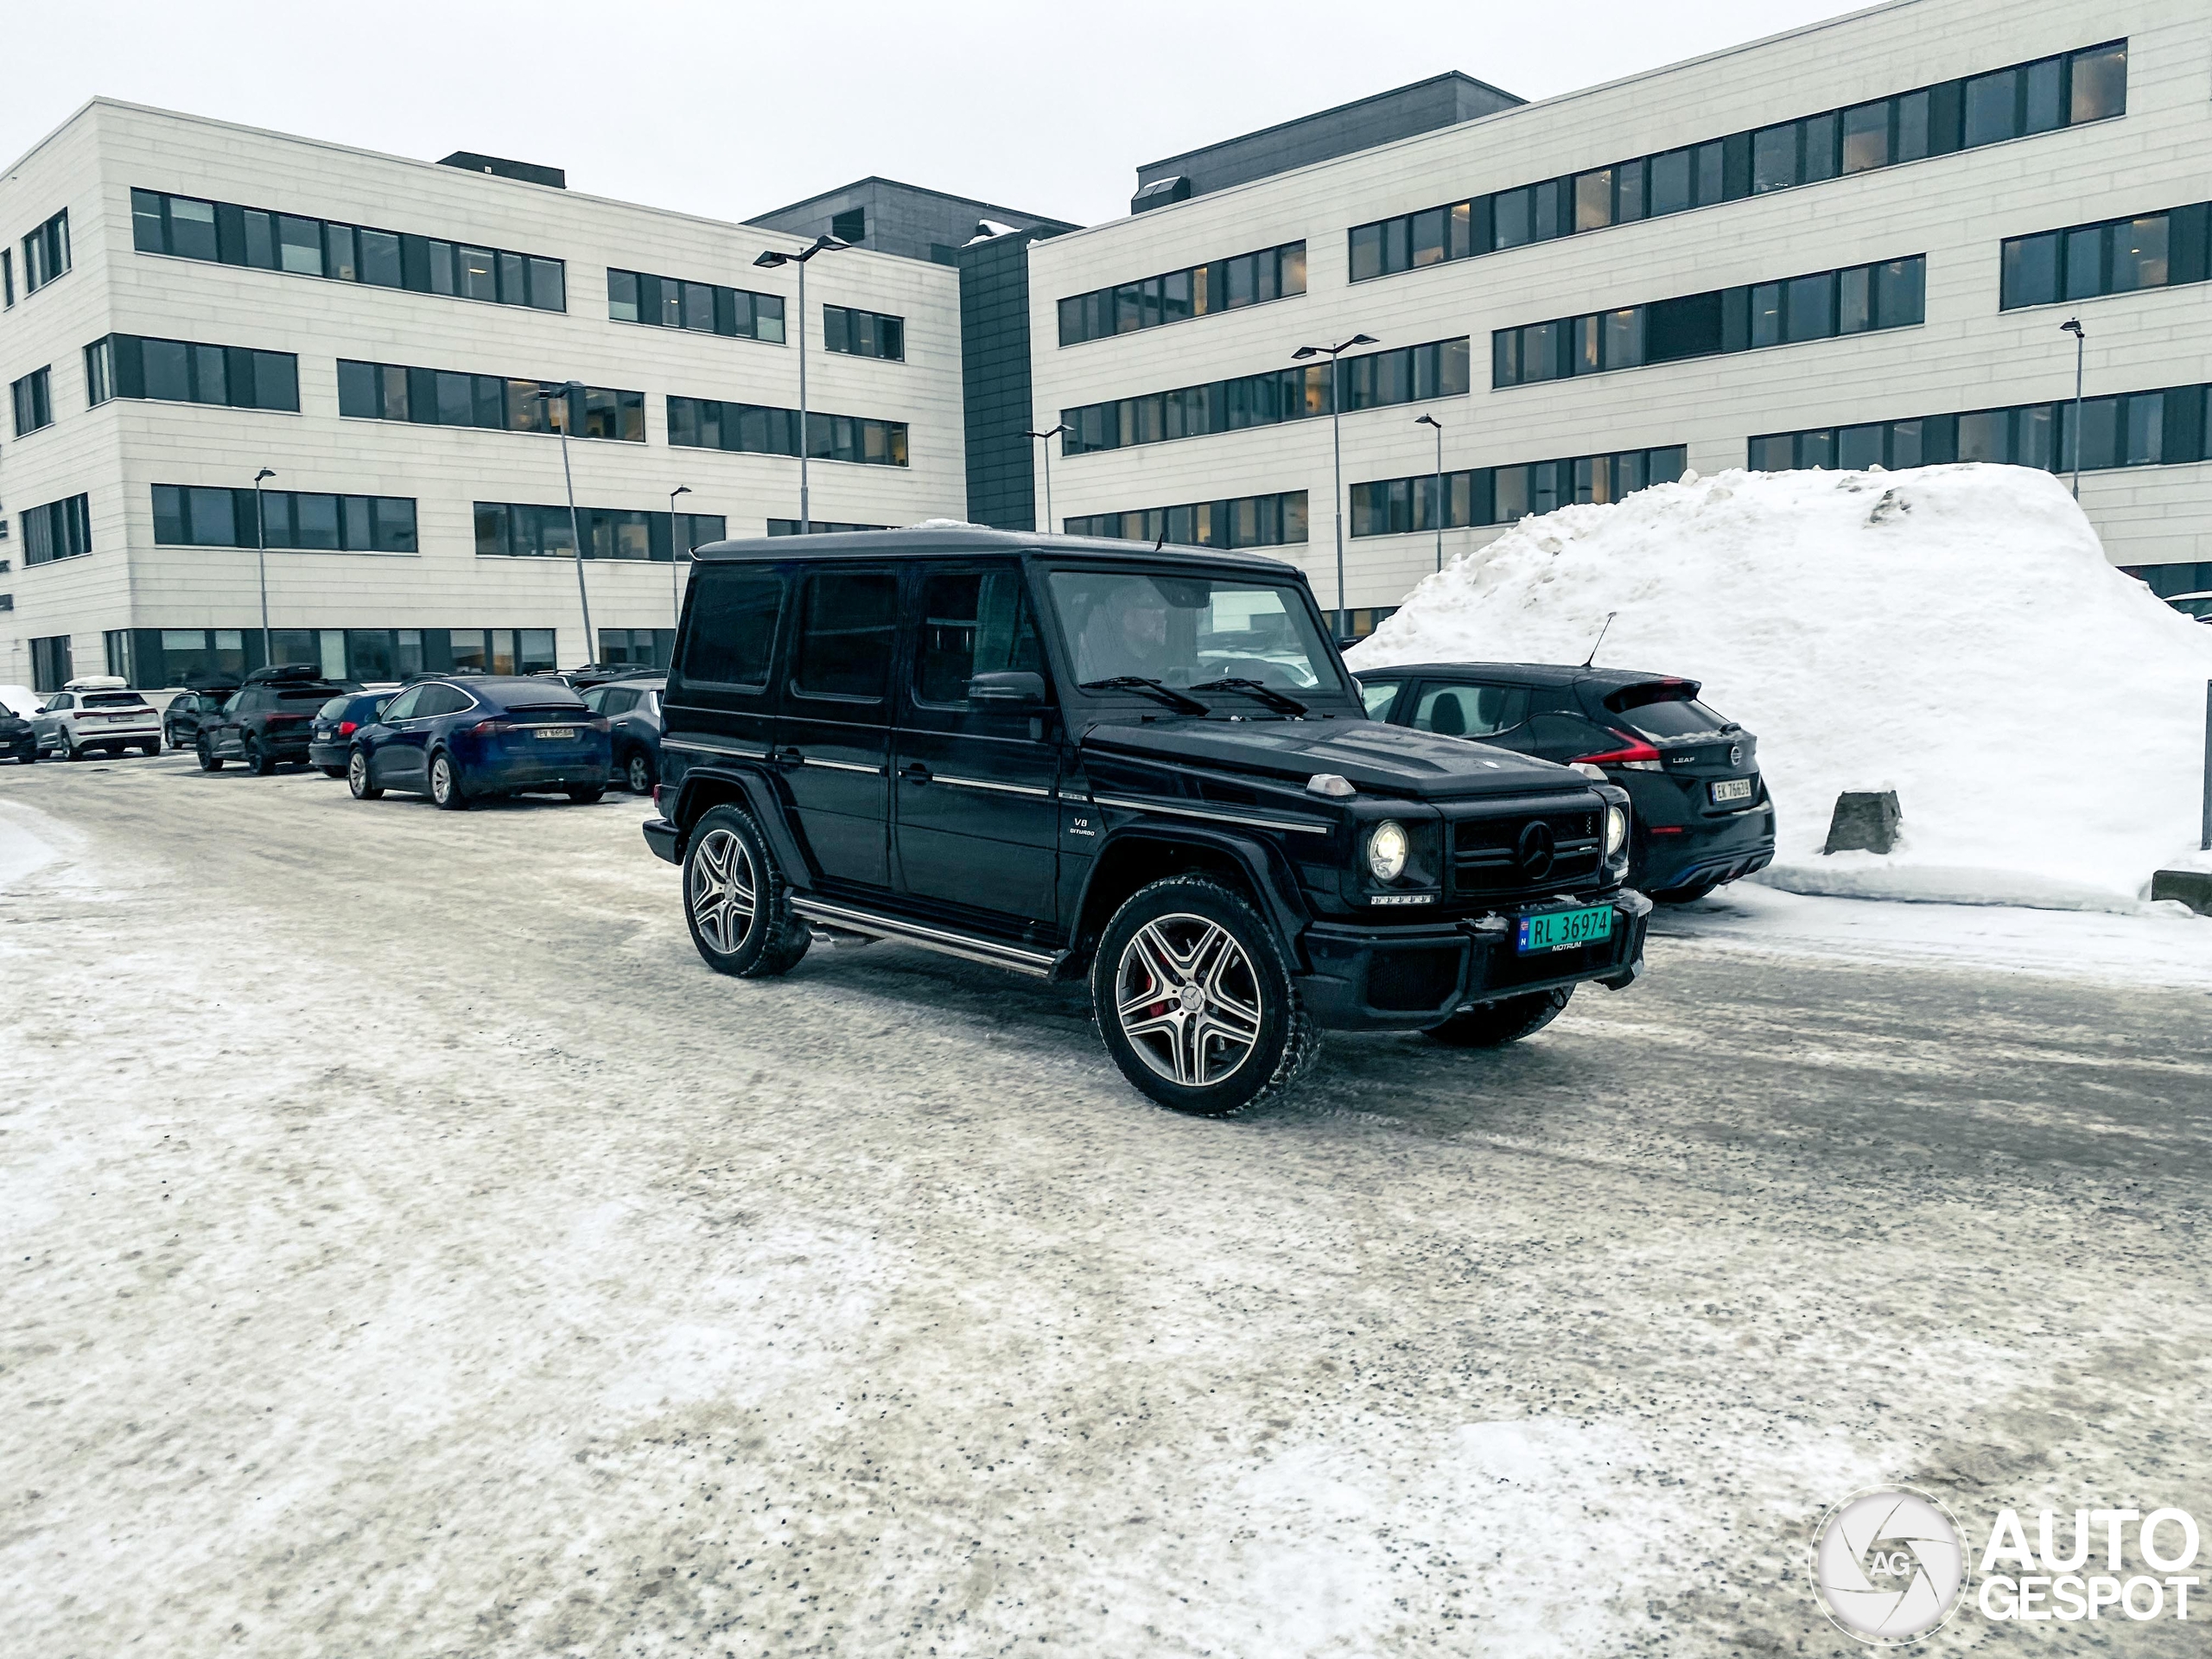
(1557, 930)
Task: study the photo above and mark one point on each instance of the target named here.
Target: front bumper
(665, 839)
(1408, 979)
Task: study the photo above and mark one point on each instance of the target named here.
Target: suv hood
(1369, 754)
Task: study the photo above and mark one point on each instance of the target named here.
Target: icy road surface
(411, 1250)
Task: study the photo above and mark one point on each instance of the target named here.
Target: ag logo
(1889, 1565)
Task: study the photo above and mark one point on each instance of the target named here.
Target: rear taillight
(1636, 756)
(657, 807)
(346, 728)
(492, 727)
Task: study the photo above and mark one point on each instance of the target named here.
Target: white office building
(191, 303)
(1852, 244)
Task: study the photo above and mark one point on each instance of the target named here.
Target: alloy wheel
(641, 773)
(724, 885)
(1188, 1000)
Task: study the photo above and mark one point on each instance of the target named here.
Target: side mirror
(1008, 688)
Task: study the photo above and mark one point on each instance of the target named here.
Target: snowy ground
(414, 1251)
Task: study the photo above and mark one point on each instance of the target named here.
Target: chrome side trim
(1001, 788)
(1036, 963)
(1292, 824)
(709, 746)
(844, 766)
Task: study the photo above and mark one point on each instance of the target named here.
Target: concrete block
(1865, 820)
(2191, 887)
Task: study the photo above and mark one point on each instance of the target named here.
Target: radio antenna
(1600, 639)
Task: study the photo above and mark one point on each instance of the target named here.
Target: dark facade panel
(996, 393)
(901, 219)
(500, 167)
(1443, 100)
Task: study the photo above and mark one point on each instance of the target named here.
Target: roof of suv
(968, 540)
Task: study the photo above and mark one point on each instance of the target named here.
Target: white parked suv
(97, 713)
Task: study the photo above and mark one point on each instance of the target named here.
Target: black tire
(1493, 1024)
(151, 750)
(1246, 1011)
(169, 735)
(255, 757)
(586, 797)
(357, 778)
(445, 784)
(1688, 895)
(332, 772)
(639, 772)
(209, 760)
(65, 746)
(758, 942)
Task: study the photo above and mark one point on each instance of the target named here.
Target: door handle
(916, 773)
(788, 758)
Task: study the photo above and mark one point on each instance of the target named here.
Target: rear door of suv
(833, 736)
(976, 820)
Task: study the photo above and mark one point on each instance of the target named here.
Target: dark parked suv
(182, 720)
(1071, 758)
(1702, 812)
(268, 721)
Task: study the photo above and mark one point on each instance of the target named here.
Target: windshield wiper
(1167, 694)
(1266, 693)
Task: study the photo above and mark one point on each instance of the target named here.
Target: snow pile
(1951, 632)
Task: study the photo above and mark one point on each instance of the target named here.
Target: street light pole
(261, 559)
(1336, 445)
(675, 573)
(2073, 325)
(771, 259)
(568, 392)
(1052, 524)
(1436, 506)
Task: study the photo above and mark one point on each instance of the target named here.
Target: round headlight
(1386, 850)
(1616, 830)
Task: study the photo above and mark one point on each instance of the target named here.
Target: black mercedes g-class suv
(1071, 757)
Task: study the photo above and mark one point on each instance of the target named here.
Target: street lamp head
(1361, 340)
(829, 245)
(1305, 351)
(681, 489)
(1428, 419)
(770, 259)
(2073, 325)
(263, 472)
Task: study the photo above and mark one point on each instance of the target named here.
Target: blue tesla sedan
(465, 739)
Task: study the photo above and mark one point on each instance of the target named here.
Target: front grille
(1523, 851)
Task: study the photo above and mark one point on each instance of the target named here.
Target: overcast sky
(731, 109)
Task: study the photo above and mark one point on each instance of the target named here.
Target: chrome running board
(1036, 963)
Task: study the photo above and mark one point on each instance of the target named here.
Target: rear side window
(312, 694)
(441, 700)
(335, 709)
(1672, 717)
(1471, 710)
(973, 622)
(845, 634)
(731, 637)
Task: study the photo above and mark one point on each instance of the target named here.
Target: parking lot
(414, 1250)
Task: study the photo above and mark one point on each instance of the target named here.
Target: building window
(2116, 256)
(51, 664)
(2090, 85)
(6, 279)
(179, 371)
(59, 530)
(635, 648)
(46, 252)
(817, 527)
(863, 333)
(1821, 305)
(851, 226)
(2163, 427)
(703, 308)
(513, 530)
(393, 391)
(186, 227)
(1194, 291)
(752, 429)
(1407, 374)
(1501, 495)
(196, 515)
(1276, 520)
(33, 396)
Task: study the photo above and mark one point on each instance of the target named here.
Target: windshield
(1673, 717)
(1189, 630)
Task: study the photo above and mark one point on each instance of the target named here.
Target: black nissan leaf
(1702, 813)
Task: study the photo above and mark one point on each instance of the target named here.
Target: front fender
(1266, 870)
